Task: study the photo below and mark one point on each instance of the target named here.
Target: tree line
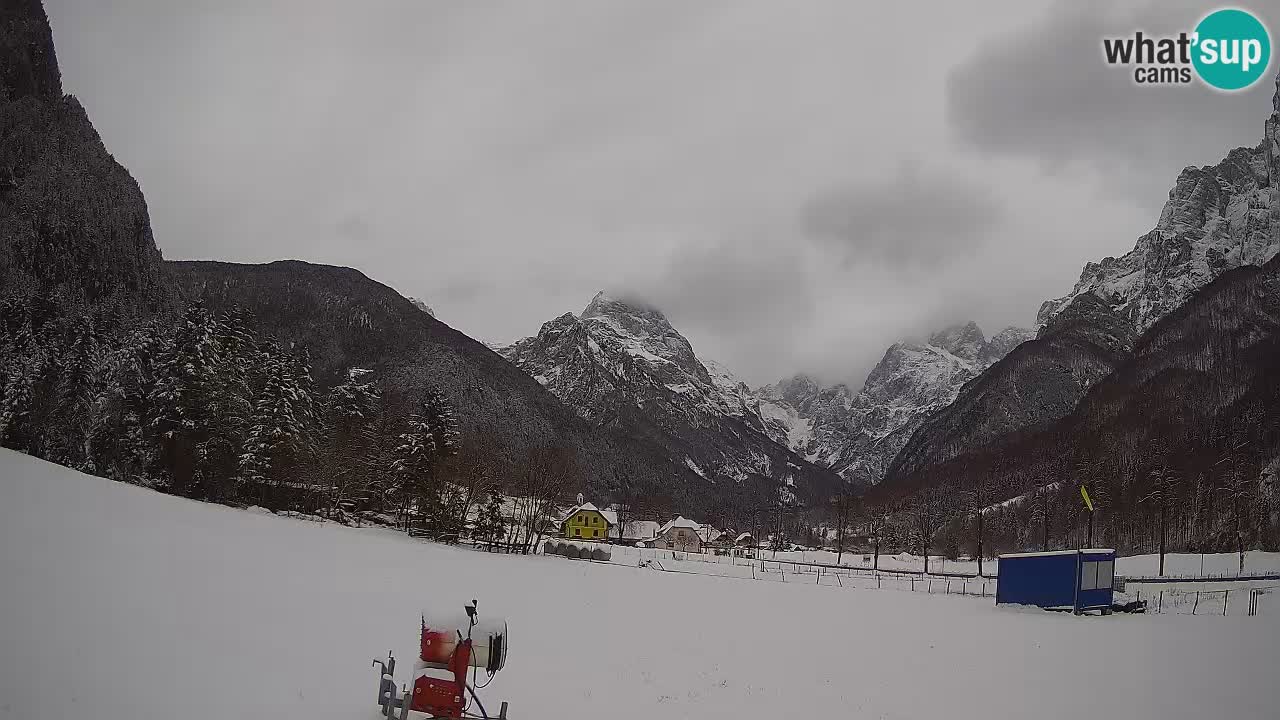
(199, 404)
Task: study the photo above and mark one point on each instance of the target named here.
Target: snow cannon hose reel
(439, 687)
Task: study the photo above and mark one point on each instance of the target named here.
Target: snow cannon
(439, 687)
(443, 633)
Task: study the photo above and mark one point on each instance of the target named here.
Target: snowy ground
(120, 603)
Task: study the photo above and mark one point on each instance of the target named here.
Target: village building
(680, 534)
(585, 522)
(635, 531)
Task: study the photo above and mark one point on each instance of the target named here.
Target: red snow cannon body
(448, 648)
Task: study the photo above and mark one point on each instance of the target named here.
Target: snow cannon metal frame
(440, 688)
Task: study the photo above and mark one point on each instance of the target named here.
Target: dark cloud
(1045, 92)
(908, 219)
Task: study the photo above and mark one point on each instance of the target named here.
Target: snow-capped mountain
(858, 434)
(620, 360)
(1217, 218)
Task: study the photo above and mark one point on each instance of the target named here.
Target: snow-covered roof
(744, 536)
(636, 530)
(1056, 552)
(680, 522)
(608, 515)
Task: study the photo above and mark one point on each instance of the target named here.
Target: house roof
(637, 530)
(680, 522)
(609, 516)
(744, 536)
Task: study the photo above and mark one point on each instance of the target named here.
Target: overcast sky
(796, 184)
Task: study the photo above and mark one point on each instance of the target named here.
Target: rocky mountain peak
(1217, 218)
(605, 304)
(28, 64)
(1006, 340)
(622, 361)
(1275, 99)
(965, 340)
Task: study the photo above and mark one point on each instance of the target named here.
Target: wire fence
(1247, 601)
(1239, 601)
(793, 572)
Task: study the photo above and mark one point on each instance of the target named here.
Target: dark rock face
(71, 218)
(1038, 382)
(1199, 387)
(28, 65)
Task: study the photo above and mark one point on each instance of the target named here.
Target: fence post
(1225, 595)
(1196, 604)
(1160, 603)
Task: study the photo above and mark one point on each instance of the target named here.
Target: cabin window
(1106, 569)
(1089, 576)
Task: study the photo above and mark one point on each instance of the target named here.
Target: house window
(577, 532)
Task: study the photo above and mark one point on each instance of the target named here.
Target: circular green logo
(1232, 49)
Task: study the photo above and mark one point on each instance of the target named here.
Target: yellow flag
(1087, 502)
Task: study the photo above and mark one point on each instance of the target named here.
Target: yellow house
(585, 522)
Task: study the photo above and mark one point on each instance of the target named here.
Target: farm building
(585, 522)
(679, 534)
(634, 531)
(1078, 580)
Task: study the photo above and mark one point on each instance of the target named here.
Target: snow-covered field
(120, 603)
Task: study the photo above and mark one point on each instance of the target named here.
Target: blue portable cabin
(1077, 580)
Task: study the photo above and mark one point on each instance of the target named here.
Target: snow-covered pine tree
(78, 385)
(24, 361)
(347, 416)
(237, 381)
(278, 442)
(432, 435)
(184, 394)
(120, 444)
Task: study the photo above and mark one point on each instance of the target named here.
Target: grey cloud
(741, 303)
(353, 227)
(909, 219)
(503, 161)
(1046, 93)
